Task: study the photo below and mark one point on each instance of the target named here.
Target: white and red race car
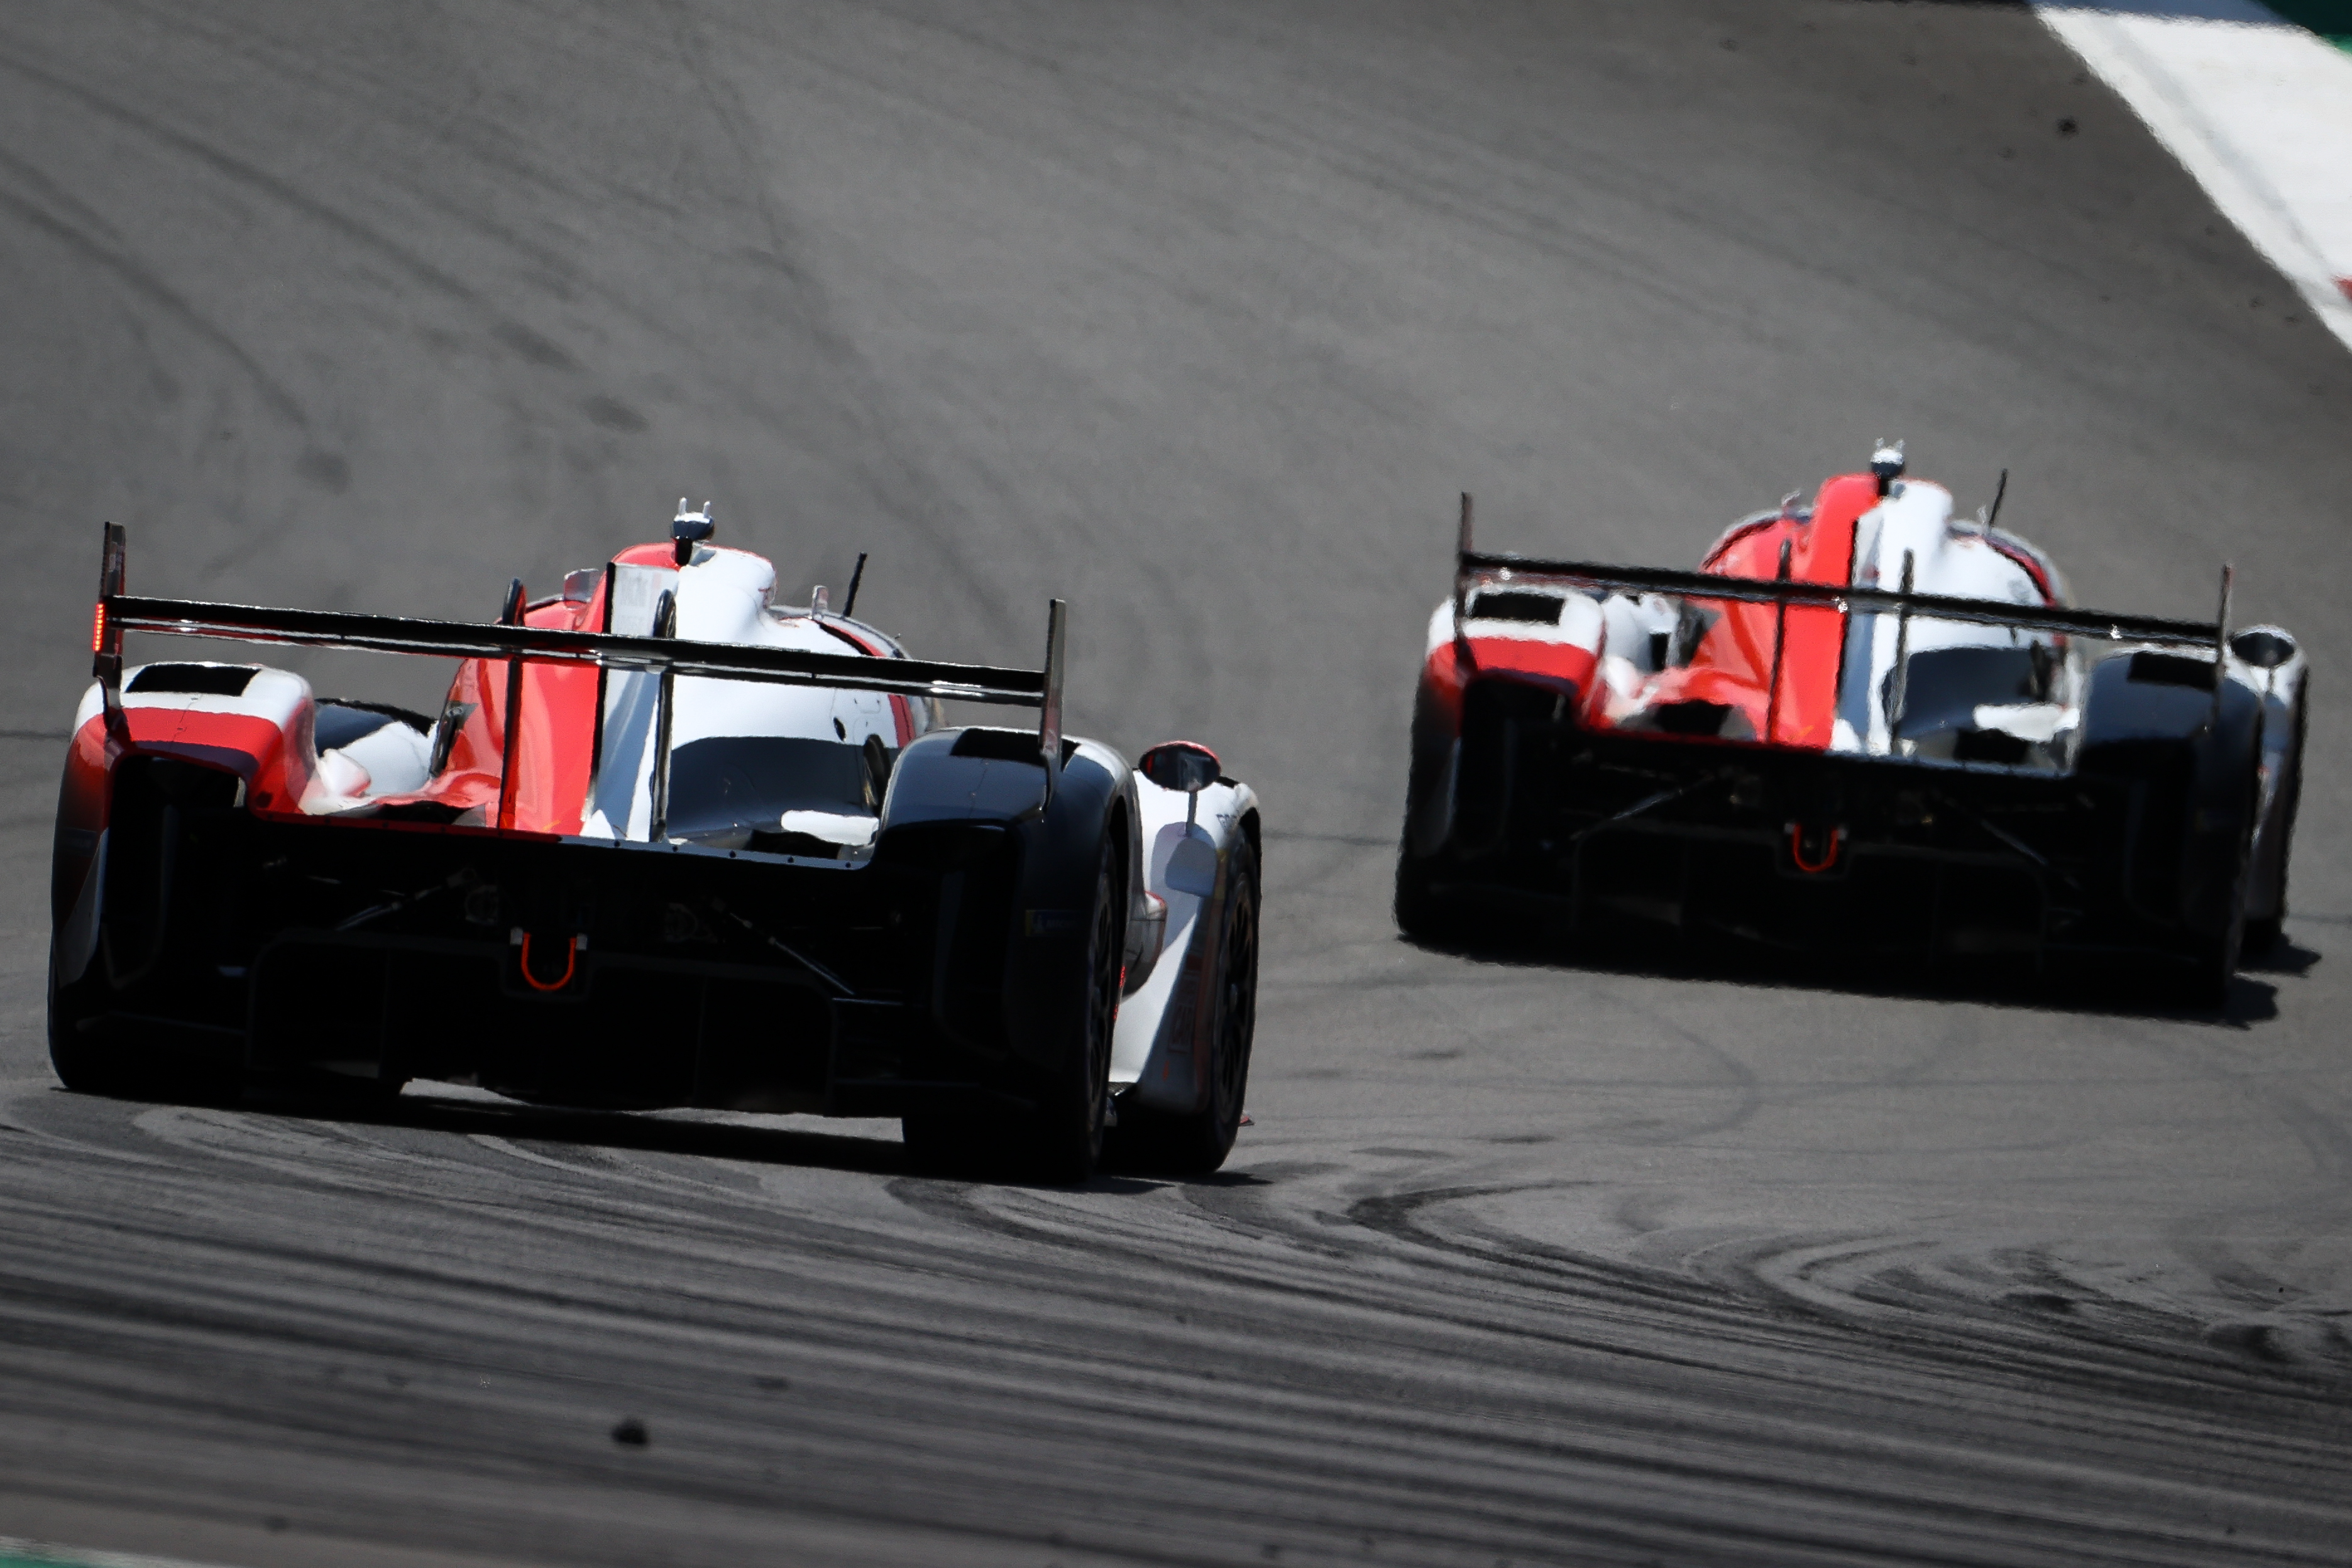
(667, 844)
(1865, 726)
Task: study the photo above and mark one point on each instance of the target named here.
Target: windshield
(1969, 703)
(782, 793)
(1943, 688)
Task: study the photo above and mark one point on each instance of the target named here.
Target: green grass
(2331, 20)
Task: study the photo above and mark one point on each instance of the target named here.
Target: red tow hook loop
(571, 965)
(1796, 850)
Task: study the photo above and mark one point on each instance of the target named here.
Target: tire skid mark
(251, 176)
(2137, 1356)
(2127, 1555)
(979, 1373)
(124, 269)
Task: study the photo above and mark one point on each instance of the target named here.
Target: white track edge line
(49, 1551)
(2232, 166)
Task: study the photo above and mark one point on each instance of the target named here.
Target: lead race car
(667, 844)
(1863, 727)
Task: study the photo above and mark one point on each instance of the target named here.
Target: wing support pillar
(1463, 659)
(603, 677)
(106, 634)
(507, 782)
(1779, 639)
(1899, 690)
(664, 705)
(2220, 649)
(1049, 711)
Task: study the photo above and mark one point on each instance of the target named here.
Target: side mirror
(2263, 647)
(1191, 767)
(1181, 765)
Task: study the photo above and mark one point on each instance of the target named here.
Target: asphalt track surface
(1199, 315)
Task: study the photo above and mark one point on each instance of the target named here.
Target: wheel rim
(1237, 1007)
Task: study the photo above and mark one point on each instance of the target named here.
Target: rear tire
(2215, 964)
(1066, 1131)
(1062, 1140)
(2207, 985)
(83, 1063)
(2264, 935)
(151, 914)
(100, 1062)
(1420, 914)
(1434, 919)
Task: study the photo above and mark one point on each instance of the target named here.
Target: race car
(668, 843)
(1864, 726)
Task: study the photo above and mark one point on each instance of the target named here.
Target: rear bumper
(1877, 898)
(567, 970)
(1800, 850)
(626, 1029)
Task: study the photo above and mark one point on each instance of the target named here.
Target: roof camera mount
(689, 529)
(1888, 463)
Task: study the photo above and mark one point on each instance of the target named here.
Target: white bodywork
(1160, 1054)
(329, 782)
(392, 759)
(1913, 524)
(388, 759)
(723, 596)
(1948, 558)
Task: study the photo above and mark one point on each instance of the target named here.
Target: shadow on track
(2115, 990)
(638, 1131)
(663, 1132)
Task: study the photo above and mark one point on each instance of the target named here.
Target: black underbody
(380, 951)
(1649, 833)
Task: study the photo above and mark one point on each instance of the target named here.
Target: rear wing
(119, 613)
(1471, 565)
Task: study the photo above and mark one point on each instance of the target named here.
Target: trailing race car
(667, 844)
(1862, 726)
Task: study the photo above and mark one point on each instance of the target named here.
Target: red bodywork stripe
(1562, 662)
(902, 715)
(1733, 665)
(557, 735)
(2032, 565)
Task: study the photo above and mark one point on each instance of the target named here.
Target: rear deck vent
(1989, 745)
(1002, 745)
(196, 680)
(342, 720)
(2172, 670)
(1692, 717)
(1515, 604)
